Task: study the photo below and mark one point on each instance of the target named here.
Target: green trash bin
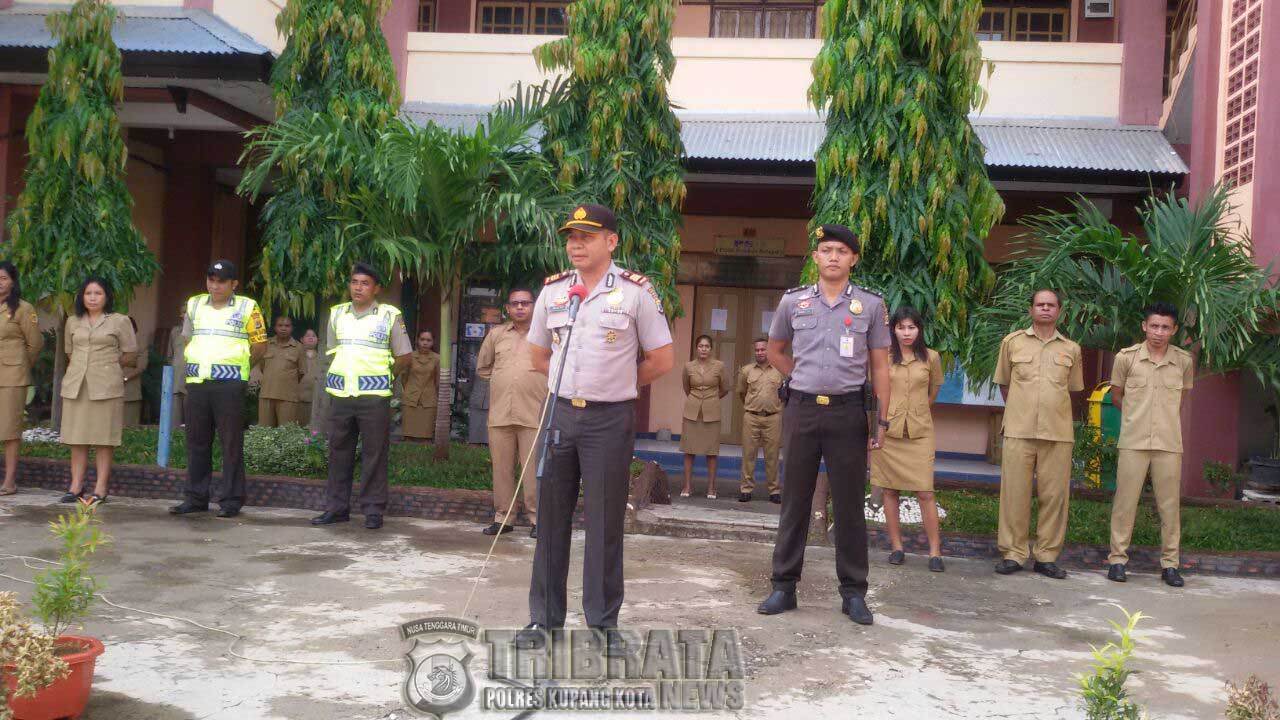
(1104, 418)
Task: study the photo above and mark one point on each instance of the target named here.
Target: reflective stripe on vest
(219, 345)
(362, 357)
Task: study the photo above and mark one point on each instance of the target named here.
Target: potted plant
(48, 675)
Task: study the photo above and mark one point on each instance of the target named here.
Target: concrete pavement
(312, 602)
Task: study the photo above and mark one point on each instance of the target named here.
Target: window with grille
(993, 24)
(1241, 100)
(548, 19)
(521, 18)
(783, 22)
(1040, 25)
(426, 15)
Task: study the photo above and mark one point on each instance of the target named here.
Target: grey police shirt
(620, 317)
(829, 342)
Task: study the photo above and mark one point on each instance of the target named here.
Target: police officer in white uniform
(593, 434)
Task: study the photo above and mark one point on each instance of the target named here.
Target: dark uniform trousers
(351, 418)
(215, 404)
(837, 432)
(592, 446)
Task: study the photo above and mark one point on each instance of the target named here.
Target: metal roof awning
(1067, 146)
(169, 42)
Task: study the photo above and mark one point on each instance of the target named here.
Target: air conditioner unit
(1099, 8)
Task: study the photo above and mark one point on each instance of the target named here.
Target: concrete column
(188, 233)
(1265, 229)
(1142, 32)
(6, 127)
(399, 21)
(1204, 113)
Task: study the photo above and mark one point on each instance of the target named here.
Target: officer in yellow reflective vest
(369, 346)
(225, 334)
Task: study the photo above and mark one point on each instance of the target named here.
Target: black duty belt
(853, 398)
(761, 414)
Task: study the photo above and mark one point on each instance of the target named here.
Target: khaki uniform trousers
(761, 431)
(1050, 462)
(276, 413)
(1166, 485)
(510, 445)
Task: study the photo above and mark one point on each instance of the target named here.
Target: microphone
(577, 294)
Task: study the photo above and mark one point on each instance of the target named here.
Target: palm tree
(1190, 256)
(446, 205)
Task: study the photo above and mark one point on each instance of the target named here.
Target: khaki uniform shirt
(421, 381)
(1151, 416)
(758, 387)
(619, 318)
(282, 368)
(703, 383)
(831, 358)
(311, 368)
(133, 386)
(178, 361)
(95, 356)
(1040, 375)
(20, 344)
(517, 392)
(911, 383)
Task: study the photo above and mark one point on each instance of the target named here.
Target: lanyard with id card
(846, 346)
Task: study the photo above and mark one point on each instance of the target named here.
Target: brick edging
(149, 481)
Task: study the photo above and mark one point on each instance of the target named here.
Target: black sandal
(71, 497)
(94, 499)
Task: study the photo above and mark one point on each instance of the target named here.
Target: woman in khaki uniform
(133, 385)
(418, 403)
(906, 460)
(101, 344)
(705, 383)
(20, 343)
(307, 385)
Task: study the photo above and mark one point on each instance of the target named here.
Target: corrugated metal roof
(139, 29)
(1058, 143)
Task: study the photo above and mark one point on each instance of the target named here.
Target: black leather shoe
(857, 610)
(188, 507)
(1172, 577)
(776, 498)
(935, 564)
(228, 512)
(533, 531)
(778, 601)
(373, 521)
(498, 528)
(532, 637)
(1050, 570)
(1116, 572)
(1008, 567)
(897, 557)
(71, 497)
(744, 497)
(329, 518)
(609, 641)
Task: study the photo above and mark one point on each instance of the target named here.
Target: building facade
(1101, 98)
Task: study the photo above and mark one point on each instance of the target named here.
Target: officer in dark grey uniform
(593, 433)
(839, 335)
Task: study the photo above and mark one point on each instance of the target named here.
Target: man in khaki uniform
(133, 384)
(282, 368)
(421, 388)
(1149, 382)
(178, 361)
(517, 393)
(1037, 370)
(758, 385)
(311, 369)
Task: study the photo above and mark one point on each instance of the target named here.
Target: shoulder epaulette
(1132, 348)
(634, 277)
(557, 277)
(869, 291)
(796, 289)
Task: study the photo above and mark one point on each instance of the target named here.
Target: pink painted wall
(1142, 32)
(1266, 171)
(1204, 122)
(190, 4)
(400, 20)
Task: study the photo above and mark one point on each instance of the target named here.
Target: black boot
(779, 601)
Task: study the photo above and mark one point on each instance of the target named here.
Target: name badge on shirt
(615, 321)
(846, 346)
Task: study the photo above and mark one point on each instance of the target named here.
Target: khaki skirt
(418, 422)
(700, 438)
(13, 402)
(904, 464)
(92, 422)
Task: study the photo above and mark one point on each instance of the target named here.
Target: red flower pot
(65, 698)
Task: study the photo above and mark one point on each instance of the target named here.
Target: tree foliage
(901, 164)
(73, 217)
(1190, 257)
(335, 63)
(614, 136)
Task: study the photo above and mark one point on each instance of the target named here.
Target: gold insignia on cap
(819, 233)
(580, 214)
(855, 306)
